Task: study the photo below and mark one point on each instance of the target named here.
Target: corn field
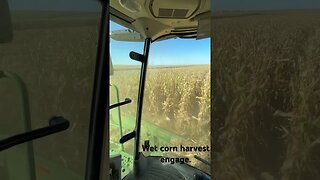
(176, 99)
(266, 96)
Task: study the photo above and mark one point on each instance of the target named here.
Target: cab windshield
(176, 113)
(176, 107)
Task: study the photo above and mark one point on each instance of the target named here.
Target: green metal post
(119, 112)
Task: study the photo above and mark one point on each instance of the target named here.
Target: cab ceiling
(157, 18)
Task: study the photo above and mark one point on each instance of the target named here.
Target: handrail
(56, 124)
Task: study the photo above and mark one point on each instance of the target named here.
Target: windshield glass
(124, 83)
(176, 109)
(176, 113)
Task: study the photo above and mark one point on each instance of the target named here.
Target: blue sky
(167, 52)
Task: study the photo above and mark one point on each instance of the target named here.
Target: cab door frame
(98, 148)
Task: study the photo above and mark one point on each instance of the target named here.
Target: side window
(53, 52)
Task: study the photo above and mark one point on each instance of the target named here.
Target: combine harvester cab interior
(149, 21)
(61, 92)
